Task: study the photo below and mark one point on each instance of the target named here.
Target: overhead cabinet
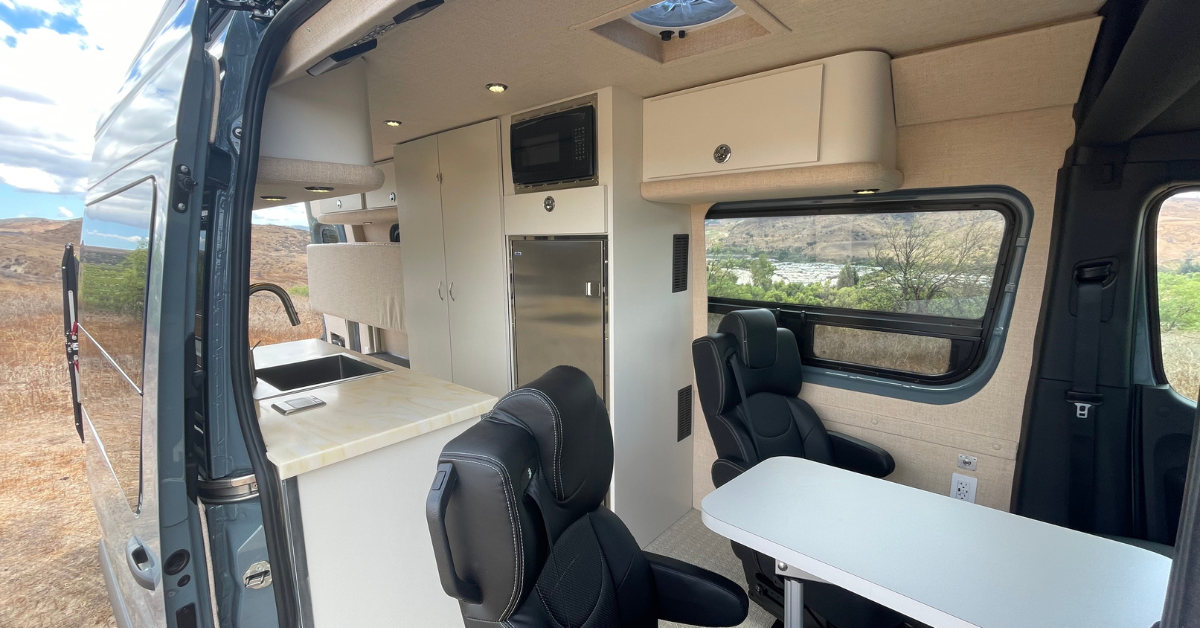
(348, 203)
(448, 196)
(385, 196)
(819, 128)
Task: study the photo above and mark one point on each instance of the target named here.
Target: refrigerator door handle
(591, 288)
(440, 295)
(451, 290)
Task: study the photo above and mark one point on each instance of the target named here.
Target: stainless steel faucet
(283, 296)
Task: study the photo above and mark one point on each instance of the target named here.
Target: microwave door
(556, 147)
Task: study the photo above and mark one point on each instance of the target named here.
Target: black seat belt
(1084, 396)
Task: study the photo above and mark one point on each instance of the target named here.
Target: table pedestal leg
(793, 603)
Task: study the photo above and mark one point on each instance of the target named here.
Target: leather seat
(748, 377)
(522, 539)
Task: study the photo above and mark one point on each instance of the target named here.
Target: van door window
(114, 260)
(1176, 291)
(904, 294)
(278, 255)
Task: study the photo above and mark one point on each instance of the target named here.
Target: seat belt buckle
(1083, 402)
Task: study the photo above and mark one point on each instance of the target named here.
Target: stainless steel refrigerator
(559, 306)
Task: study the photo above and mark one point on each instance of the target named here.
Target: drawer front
(770, 121)
(386, 195)
(341, 204)
(573, 211)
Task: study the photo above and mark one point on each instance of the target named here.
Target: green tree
(924, 260)
(848, 277)
(1178, 301)
(762, 272)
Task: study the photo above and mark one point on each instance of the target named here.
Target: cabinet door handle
(451, 291)
(440, 295)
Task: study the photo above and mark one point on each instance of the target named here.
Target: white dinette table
(941, 561)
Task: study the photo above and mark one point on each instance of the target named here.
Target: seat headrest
(754, 331)
(570, 424)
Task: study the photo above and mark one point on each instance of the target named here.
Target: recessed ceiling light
(496, 88)
(867, 191)
(322, 189)
(273, 198)
(392, 123)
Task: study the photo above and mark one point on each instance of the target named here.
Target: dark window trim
(984, 337)
(1150, 246)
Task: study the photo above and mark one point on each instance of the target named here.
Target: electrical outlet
(970, 463)
(963, 487)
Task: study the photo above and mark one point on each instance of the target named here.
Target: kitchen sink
(316, 372)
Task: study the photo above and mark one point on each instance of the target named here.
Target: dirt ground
(49, 568)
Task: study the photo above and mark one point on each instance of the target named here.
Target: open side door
(70, 285)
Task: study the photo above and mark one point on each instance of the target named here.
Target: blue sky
(61, 62)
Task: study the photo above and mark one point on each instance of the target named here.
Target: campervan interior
(882, 236)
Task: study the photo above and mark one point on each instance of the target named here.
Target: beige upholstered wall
(990, 112)
(359, 282)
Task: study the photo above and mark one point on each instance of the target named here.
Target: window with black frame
(896, 290)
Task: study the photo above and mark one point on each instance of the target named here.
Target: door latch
(258, 575)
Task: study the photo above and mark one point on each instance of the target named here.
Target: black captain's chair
(521, 537)
(748, 376)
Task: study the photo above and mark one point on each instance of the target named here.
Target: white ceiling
(430, 73)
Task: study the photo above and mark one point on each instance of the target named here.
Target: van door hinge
(184, 184)
(228, 490)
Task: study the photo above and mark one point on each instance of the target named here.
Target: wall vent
(679, 263)
(684, 407)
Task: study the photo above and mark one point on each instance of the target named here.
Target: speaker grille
(679, 262)
(684, 406)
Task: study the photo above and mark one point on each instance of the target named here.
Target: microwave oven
(555, 149)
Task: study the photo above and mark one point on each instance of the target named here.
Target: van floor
(690, 541)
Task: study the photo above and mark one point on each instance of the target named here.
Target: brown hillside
(31, 248)
(31, 251)
(1179, 230)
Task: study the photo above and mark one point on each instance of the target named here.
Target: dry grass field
(49, 569)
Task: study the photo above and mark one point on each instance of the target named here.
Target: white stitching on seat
(720, 373)
(510, 503)
(745, 337)
(737, 440)
(556, 464)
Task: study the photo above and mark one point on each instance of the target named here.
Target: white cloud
(131, 238)
(54, 87)
(65, 213)
(31, 179)
(293, 215)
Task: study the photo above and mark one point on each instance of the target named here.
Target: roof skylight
(682, 14)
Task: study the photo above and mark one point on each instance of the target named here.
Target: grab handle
(435, 515)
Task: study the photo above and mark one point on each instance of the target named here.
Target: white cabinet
(822, 127)
(347, 203)
(770, 121)
(557, 212)
(448, 196)
(385, 196)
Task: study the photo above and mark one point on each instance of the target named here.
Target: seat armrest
(688, 594)
(854, 454)
(724, 470)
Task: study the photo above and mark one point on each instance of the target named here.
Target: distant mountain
(31, 251)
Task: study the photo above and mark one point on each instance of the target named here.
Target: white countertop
(939, 560)
(359, 415)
